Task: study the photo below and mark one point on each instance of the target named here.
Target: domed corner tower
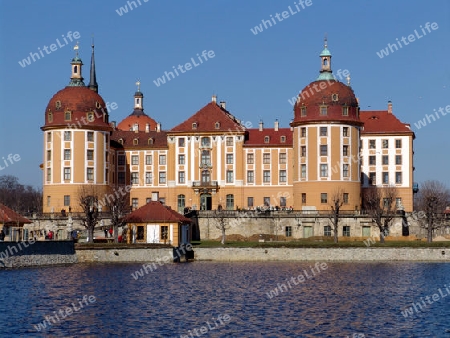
(76, 142)
(326, 142)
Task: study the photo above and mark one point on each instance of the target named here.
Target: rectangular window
(303, 151)
(121, 159)
(49, 137)
(345, 131)
(162, 159)
(229, 141)
(288, 231)
(90, 136)
(90, 174)
(67, 154)
(266, 158)
(385, 160)
(282, 201)
(345, 197)
(303, 173)
(67, 135)
(164, 233)
(230, 177)
(162, 177)
(135, 204)
(282, 158)
(372, 178)
(323, 198)
(66, 200)
(344, 150)
(135, 160)
(345, 111)
(345, 170)
(372, 160)
(303, 197)
(324, 170)
(398, 144)
(303, 111)
(323, 150)
(372, 144)
(398, 202)
(323, 131)
(134, 178)
(327, 231)
(249, 202)
(148, 177)
(229, 158)
(250, 176)
(323, 111)
(266, 201)
(67, 174)
(90, 155)
(49, 155)
(283, 176)
(181, 142)
(266, 176)
(230, 201)
(303, 132)
(181, 177)
(398, 177)
(398, 159)
(385, 144)
(49, 174)
(250, 158)
(121, 177)
(346, 231)
(148, 159)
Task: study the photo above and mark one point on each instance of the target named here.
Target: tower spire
(93, 78)
(325, 70)
(76, 79)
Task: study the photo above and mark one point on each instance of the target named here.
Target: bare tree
(380, 204)
(221, 223)
(88, 198)
(432, 200)
(337, 201)
(118, 205)
(23, 199)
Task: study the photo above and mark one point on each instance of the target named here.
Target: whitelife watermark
(64, 313)
(53, 47)
(16, 248)
(11, 159)
(124, 9)
(435, 297)
(411, 38)
(318, 87)
(296, 280)
(432, 117)
(280, 17)
(206, 55)
(221, 320)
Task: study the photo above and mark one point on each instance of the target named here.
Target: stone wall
(323, 254)
(124, 255)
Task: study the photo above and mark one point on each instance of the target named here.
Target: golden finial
(75, 48)
(348, 80)
(138, 84)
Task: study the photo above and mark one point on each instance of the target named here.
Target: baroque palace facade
(211, 160)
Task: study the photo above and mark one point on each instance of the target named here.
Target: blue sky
(255, 74)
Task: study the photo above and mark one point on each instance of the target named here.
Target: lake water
(208, 299)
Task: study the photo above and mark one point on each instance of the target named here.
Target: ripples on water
(345, 299)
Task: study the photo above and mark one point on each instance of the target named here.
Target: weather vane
(138, 84)
(348, 80)
(75, 48)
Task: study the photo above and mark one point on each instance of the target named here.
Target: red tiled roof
(155, 212)
(137, 117)
(128, 137)
(256, 137)
(9, 216)
(380, 121)
(206, 119)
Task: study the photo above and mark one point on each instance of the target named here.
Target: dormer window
(90, 116)
(50, 116)
(266, 139)
(194, 125)
(150, 141)
(283, 139)
(345, 111)
(135, 141)
(58, 104)
(121, 141)
(335, 97)
(217, 125)
(323, 110)
(98, 105)
(67, 115)
(303, 111)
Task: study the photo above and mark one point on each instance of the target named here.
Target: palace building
(212, 160)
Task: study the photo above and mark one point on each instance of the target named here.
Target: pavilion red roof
(7, 215)
(155, 212)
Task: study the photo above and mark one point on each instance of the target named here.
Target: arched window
(75, 69)
(325, 62)
(230, 202)
(135, 141)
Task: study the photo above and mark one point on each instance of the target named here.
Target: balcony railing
(201, 184)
